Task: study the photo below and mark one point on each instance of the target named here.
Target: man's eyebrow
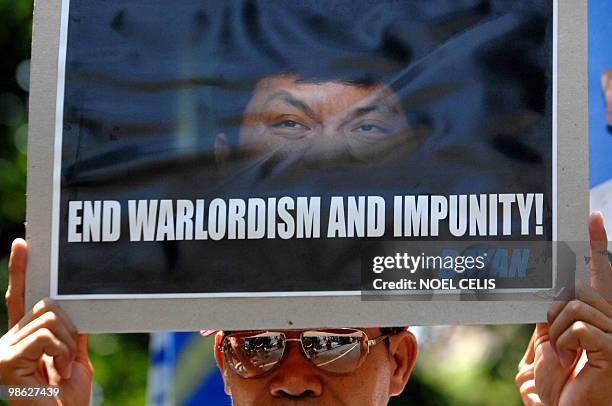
(377, 105)
(290, 99)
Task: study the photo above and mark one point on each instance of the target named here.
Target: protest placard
(303, 163)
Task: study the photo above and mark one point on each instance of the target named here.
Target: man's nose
(296, 377)
(330, 132)
(328, 144)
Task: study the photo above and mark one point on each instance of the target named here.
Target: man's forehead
(296, 83)
(317, 90)
(331, 96)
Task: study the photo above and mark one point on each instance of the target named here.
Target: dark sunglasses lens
(253, 354)
(338, 351)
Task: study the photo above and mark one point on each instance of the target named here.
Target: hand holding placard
(42, 347)
(569, 359)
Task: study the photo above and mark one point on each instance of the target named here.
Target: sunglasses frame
(370, 343)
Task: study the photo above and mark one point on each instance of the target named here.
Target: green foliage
(467, 365)
(120, 368)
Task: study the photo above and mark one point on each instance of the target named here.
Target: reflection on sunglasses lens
(334, 352)
(254, 355)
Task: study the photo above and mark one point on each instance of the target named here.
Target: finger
(49, 369)
(554, 310)
(529, 393)
(549, 376)
(15, 294)
(590, 296)
(586, 294)
(525, 381)
(605, 80)
(52, 322)
(600, 268)
(541, 334)
(529, 352)
(577, 311)
(82, 354)
(42, 307)
(585, 336)
(43, 341)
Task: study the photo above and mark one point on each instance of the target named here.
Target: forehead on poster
(340, 117)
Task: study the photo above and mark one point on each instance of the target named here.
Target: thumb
(540, 334)
(600, 268)
(82, 354)
(15, 294)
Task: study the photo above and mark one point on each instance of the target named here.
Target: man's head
(322, 120)
(296, 380)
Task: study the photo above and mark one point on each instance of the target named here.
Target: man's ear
(403, 350)
(221, 363)
(222, 149)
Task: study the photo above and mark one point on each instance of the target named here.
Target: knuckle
(520, 377)
(46, 336)
(50, 303)
(50, 318)
(45, 304)
(538, 370)
(45, 333)
(72, 347)
(574, 307)
(579, 327)
(40, 305)
(10, 297)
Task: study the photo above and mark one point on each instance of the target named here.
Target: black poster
(227, 148)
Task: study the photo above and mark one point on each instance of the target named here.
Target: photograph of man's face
(323, 121)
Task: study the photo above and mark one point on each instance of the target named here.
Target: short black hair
(390, 331)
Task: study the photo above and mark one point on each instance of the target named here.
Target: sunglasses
(254, 353)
